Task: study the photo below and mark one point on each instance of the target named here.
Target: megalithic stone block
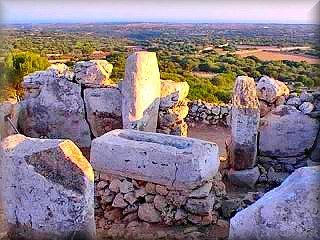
(47, 189)
(244, 124)
(176, 162)
(141, 92)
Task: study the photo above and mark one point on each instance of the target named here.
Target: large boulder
(103, 106)
(244, 124)
(46, 189)
(141, 92)
(172, 93)
(287, 132)
(56, 110)
(290, 211)
(154, 157)
(93, 73)
(269, 89)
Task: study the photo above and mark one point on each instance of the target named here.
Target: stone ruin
(142, 176)
(277, 136)
(84, 103)
(141, 179)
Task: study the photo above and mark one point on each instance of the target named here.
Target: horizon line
(43, 22)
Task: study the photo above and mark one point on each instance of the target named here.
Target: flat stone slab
(176, 162)
(46, 189)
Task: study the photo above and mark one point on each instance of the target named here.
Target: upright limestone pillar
(46, 189)
(244, 124)
(141, 92)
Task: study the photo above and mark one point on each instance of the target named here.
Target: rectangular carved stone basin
(176, 162)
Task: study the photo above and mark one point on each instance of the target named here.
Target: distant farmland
(274, 53)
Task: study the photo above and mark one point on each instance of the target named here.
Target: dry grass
(274, 56)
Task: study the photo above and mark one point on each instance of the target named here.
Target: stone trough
(176, 162)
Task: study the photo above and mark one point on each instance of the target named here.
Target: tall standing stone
(244, 124)
(46, 189)
(141, 92)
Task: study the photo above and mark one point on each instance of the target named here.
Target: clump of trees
(15, 66)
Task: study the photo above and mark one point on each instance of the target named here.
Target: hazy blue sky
(279, 11)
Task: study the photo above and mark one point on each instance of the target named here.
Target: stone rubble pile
(126, 200)
(173, 108)
(208, 113)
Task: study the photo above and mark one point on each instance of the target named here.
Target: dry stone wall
(209, 113)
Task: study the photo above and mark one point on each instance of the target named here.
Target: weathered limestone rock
(287, 132)
(141, 92)
(11, 109)
(170, 116)
(290, 211)
(93, 73)
(269, 89)
(157, 158)
(148, 213)
(32, 83)
(172, 93)
(306, 107)
(294, 101)
(56, 112)
(103, 106)
(46, 188)
(306, 97)
(264, 108)
(200, 206)
(244, 178)
(244, 124)
(201, 192)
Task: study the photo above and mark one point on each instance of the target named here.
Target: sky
(221, 11)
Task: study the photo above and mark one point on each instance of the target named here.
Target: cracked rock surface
(290, 211)
(158, 158)
(46, 188)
